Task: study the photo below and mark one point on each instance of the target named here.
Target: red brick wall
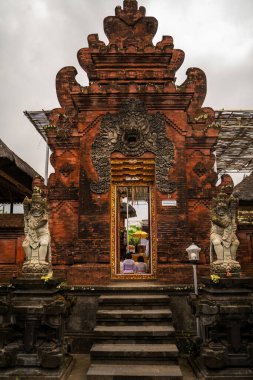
(11, 238)
(80, 218)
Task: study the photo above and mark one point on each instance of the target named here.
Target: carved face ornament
(36, 209)
(221, 211)
(132, 137)
(134, 130)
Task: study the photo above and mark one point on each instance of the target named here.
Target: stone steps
(127, 372)
(133, 314)
(130, 351)
(134, 339)
(143, 302)
(134, 331)
(122, 299)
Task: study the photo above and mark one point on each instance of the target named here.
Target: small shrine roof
(244, 189)
(16, 176)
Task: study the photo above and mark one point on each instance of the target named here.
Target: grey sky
(39, 37)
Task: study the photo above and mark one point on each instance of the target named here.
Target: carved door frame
(153, 235)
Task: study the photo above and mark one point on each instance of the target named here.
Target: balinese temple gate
(133, 177)
(132, 136)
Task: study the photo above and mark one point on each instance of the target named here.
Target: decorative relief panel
(132, 132)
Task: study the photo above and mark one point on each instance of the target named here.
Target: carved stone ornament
(66, 169)
(132, 132)
(220, 267)
(200, 169)
(37, 237)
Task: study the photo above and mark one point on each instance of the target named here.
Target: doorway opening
(133, 243)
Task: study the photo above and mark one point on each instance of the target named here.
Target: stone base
(225, 268)
(35, 286)
(33, 347)
(35, 269)
(33, 373)
(203, 373)
(225, 314)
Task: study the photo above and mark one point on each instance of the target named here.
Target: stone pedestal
(225, 311)
(32, 319)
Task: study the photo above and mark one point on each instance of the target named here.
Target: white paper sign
(169, 202)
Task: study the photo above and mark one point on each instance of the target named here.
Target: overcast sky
(39, 37)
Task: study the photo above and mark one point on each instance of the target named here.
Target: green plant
(131, 231)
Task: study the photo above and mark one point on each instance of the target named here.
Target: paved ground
(83, 361)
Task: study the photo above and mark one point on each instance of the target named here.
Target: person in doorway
(128, 264)
(141, 266)
(145, 242)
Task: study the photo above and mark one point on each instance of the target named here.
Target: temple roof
(16, 176)
(244, 189)
(40, 121)
(234, 148)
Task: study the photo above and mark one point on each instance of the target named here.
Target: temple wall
(80, 218)
(11, 251)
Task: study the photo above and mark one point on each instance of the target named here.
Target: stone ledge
(38, 373)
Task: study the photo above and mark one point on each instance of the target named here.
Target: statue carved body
(37, 237)
(223, 231)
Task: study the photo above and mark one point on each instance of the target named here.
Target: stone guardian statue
(37, 236)
(223, 237)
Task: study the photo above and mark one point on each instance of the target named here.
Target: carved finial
(130, 27)
(130, 5)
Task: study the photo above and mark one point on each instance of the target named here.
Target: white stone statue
(223, 231)
(37, 236)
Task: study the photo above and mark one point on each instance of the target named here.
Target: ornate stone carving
(63, 128)
(37, 237)
(132, 132)
(130, 27)
(66, 169)
(200, 169)
(63, 121)
(32, 324)
(225, 266)
(223, 231)
(224, 309)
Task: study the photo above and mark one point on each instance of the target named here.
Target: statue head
(38, 204)
(35, 205)
(221, 209)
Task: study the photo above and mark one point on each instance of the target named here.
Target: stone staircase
(134, 339)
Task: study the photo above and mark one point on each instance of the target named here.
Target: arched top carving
(132, 132)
